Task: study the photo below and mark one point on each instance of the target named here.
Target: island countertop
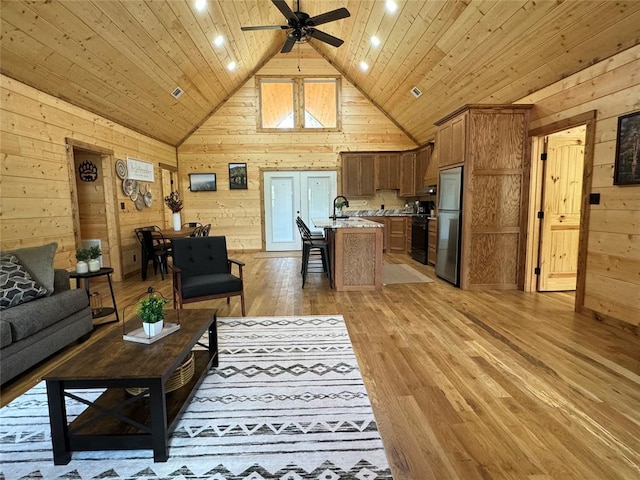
(348, 222)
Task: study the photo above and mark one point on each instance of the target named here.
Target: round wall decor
(121, 169)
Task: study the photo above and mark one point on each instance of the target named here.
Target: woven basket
(179, 378)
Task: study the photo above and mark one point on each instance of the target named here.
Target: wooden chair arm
(238, 263)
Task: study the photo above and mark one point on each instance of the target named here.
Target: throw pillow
(16, 285)
(38, 261)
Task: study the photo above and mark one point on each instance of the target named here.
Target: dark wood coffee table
(118, 420)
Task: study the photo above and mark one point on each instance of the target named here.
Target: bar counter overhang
(355, 248)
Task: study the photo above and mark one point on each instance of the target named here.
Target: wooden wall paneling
(34, 127)
(229, 135)
(603, 244)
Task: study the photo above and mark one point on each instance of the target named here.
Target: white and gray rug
(287, 402)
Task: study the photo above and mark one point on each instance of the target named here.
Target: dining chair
(191, 225)
(196, 231)
(202, 271)
(154, 248)
(204, 231)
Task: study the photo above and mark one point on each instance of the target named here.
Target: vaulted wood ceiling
(122, 59)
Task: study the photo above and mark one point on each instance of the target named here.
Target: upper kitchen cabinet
(358, 178)
(451, 139)
(387, 171)
(490, 142)
(426, 169)
(407, 174)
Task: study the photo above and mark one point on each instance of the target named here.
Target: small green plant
(94, 252)
(83, 255)
(151, 309)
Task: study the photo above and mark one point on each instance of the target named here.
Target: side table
(104, 311)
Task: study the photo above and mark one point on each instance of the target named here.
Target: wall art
(237, 176)
(202, 182)
(627, 161)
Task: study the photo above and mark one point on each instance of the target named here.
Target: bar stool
(312, 247)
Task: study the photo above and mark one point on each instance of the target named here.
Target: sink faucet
(343, 203)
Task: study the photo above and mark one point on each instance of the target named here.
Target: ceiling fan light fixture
(177, 92)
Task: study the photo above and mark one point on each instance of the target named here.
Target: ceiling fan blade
(288, 45)
(285, 10)
(328, 17)
(265, 27)
(325, 37)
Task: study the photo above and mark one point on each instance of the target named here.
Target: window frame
(298, 102)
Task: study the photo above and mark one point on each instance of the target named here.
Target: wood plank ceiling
(121, 59)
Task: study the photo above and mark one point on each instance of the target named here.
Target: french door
(288, 194)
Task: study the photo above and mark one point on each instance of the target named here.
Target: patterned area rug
(287, 402)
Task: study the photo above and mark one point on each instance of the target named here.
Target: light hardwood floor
(464, 385)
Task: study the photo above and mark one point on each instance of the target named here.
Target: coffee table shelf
(117, 420)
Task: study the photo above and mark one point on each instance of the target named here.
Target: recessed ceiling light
(391, 6)
(364, 66)
(201, 5)
(232, 66)
(375, 41)
(218, 41)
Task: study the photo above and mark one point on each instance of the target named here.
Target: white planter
(82, 267)
(94, 265)
(152, 329)
(177, 222)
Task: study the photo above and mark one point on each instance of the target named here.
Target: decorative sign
(88, 171)
(139, 170)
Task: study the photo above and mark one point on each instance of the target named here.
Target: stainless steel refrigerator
(449, 225)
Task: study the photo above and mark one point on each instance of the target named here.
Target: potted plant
(94, 263)
(82, 255)
(174, 202)
(151, 311)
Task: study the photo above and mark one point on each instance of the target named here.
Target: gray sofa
(32, 331)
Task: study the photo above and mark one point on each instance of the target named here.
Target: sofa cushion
(16, 285)
(5, 334)
(32, 317)
(39, 263)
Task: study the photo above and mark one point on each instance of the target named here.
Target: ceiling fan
(302, 27)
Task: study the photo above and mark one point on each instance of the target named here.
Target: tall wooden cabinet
(490, 141)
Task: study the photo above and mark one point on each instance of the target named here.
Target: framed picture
(202, 182)
(627, 163)
(237, 176)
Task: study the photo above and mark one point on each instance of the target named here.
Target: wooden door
(561, 200)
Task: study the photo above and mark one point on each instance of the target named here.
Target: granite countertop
(398, 212)
(349, 222)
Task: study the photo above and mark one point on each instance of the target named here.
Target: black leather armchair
(202, 271)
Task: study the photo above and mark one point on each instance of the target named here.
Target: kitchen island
(355, 248)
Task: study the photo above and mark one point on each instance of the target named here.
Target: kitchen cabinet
(490, 142)
(358, 179)
(431, 243)
(407, 175)
(451, 140)
(426, 171)
(387, 171)
(407, 246)
(396, 229)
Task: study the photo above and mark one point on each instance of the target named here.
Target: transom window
(298, 104)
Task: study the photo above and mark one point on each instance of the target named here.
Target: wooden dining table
(183, 232)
